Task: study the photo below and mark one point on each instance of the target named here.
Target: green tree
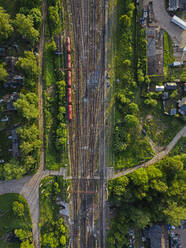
(133, 108)
(50, 240)
(23, 234)
(175, 213)
(131, 121)
(63, 240)
(28, 65)
(35, 15)
(5, 25)
(25, 27)
(26, 105)
(12, 170)
(18, 209)
(26, 244)
(151, 102)
(54, 19)
(3, 72)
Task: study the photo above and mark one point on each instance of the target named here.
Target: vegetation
(16, 226)
(24, 18)
(158, 191)
(168, 52)
(3, 72)
(5, 25)
(54, 232)
(55, 93)
(130, 147)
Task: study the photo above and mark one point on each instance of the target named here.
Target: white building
(178, 21)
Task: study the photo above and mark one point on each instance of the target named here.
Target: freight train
(69, 76)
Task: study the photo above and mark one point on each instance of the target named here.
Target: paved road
(158, 157)
(162, 17)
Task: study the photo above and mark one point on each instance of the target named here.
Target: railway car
(69, 95)
(69, 78)
(68, 45)
(68, 62)
(70, 112)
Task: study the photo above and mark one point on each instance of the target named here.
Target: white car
(1, 161)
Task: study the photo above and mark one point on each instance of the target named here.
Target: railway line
(87, 125)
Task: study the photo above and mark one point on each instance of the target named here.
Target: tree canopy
(25, 27)
(5, 25)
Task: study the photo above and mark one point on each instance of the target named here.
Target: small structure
(173, 111)
(160, 88)
(176, 4)
(15, 143)
(170, 86)
(184, 86)
(182, 106)
(165, 95)
(173, 5)
(178, 21)
(2, 51)
(176, 64)
(10, 62)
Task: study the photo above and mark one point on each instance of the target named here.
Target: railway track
(87, 122)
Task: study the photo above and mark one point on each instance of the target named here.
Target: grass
(160, 127)
(9, 222)
(168, 52)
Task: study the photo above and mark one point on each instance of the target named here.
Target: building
(176, 4)
(182, 106)
(173, 5)
(170, 86)
(160, 88)
(178, 21)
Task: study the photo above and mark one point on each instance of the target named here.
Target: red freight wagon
(70, 112)
(69, 78)
(69, 95)
(68, 45)
(68, 62)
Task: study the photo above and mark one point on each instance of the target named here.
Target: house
(170, 86)
(160, 88)
(182, 106)
(178, 21)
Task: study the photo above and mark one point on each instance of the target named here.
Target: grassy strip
(9, 221)
(168, 52)
(54, 232)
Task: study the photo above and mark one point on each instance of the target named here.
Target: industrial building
(178, 21)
